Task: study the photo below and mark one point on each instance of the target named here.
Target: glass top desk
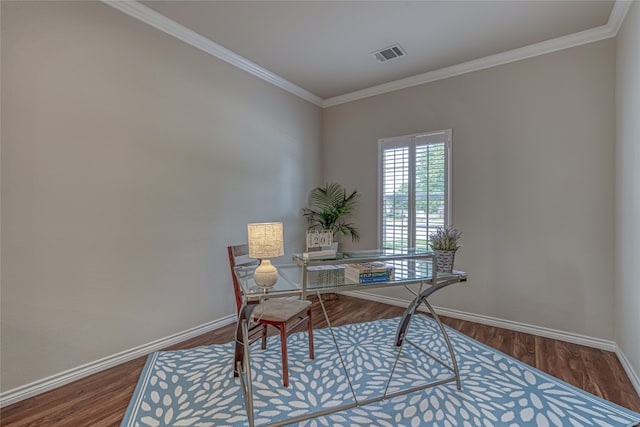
(412, 270)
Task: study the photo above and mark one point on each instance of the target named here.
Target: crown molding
(162, 23)
(616, 18)
(618, 13)
(537, 49)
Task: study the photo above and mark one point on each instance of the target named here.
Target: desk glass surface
(327, 274)
(288, 281)
(321, 275)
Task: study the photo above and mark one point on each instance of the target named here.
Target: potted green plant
(329, 210)
(444, 242)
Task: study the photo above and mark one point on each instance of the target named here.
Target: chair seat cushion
(280, 309)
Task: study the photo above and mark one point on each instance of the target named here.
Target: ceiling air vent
(389, 53)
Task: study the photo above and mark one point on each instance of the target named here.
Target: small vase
(444, 260)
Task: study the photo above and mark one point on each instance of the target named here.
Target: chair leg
(310, 327)
(264, 336)
(285, 361)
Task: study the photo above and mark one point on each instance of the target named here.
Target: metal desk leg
(244, 317)
(241, 359)
(335, 343)
(411, 309)
(406, 319)
(454, 362)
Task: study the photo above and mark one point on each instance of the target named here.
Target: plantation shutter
(413, 188)
(395, 187)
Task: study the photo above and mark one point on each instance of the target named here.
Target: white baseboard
(499, 323)
(633, 376)
(29, 390)
(23, 392)
(519, 327)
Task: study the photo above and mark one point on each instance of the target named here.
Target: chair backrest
(239, 256)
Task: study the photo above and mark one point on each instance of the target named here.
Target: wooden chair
(285, 314)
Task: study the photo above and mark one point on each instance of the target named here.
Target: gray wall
(533, 181)
(628, 188)
(129, 162)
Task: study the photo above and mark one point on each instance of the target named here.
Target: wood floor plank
(605, 373)
(524, 348)
(560, 359)
(101, 400)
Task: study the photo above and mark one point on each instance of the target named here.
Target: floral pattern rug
(196, 387)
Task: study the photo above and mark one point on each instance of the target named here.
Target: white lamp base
(266, 275)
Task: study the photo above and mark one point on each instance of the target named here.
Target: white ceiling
(324, 46)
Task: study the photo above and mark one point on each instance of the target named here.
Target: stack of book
(368, 272)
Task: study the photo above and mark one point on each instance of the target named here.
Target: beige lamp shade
(265, 240)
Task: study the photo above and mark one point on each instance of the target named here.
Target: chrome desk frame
(434, 282)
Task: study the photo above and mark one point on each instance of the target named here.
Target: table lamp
(265, 241)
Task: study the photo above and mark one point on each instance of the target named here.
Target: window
(414, 188)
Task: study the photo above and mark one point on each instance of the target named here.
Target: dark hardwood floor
(101, 399)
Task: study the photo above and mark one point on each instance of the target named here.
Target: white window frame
(411, 141)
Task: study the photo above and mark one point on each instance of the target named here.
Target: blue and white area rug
(195, 387)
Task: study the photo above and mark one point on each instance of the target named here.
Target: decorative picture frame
(316, 239)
